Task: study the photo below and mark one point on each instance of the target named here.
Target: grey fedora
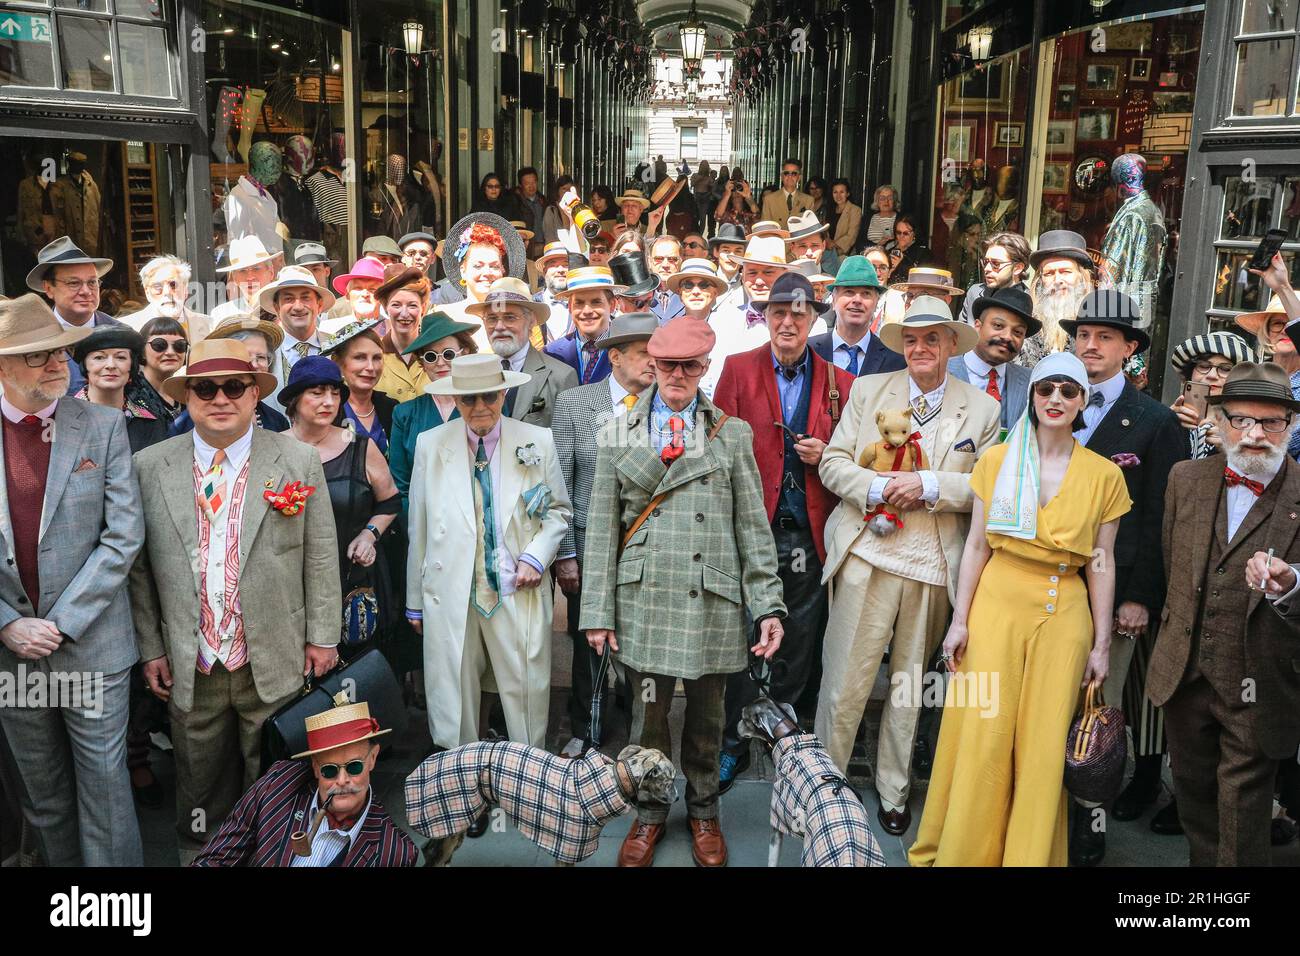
(1257, 382)
(63, 252)
(1062, 244)
(630, 327)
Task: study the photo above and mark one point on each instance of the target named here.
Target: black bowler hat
(794, 287)
(1257, 382)
(1111, 308)
(1014, 300)
(727, 232)
(630, 270)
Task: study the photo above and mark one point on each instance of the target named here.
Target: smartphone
(1197, 395)
(1267, 248)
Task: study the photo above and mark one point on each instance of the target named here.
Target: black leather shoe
(1284, 831)
(1087, 848)
(480, 826)
(895, 822)
(1135, 800)
(1166, 821)
(922, 758)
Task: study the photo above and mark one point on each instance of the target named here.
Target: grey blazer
(1015, 396)
(534, 402)
(91, 529)
(289, 587)
(580, 413)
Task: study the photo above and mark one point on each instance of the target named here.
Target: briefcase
(367, 677)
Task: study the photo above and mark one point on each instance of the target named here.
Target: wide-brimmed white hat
(245, 251)
(476, 374)
(924, 312)
(766, 251)
(293, 277)
(63, 252)
(696, 269)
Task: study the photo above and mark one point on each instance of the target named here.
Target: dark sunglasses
(1069, 390)
(446, 355)
(689, 367)
(206, 389)
(180, 346)
(487, 398)
(331, 770)
(690, 285)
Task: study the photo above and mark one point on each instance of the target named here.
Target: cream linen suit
(872, 609)
(440, 574)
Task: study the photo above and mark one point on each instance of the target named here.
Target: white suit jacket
(967, 427)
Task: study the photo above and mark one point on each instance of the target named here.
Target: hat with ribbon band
(342, 724)
(217, 358)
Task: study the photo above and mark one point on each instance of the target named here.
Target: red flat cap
(682, 338)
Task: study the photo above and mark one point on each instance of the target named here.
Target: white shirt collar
(980, 367)
(287, 346)
(15, 414)
(517, 360)
(237, 452)
(616, 394)
(836, 341)
(1112, 388)
(68, 325)
(931, 398)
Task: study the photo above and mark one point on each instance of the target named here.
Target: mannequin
(297, 208)
(251, 107)
(1002, 214)
(75, 200)
(250, 207)
(228, 108)
(331, 198)
(38, 223)
(1135, 242)
(400, 215)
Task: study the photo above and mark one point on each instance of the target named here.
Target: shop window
(281, 167)
(1265, 77)
(1252, 206)
(88, 46)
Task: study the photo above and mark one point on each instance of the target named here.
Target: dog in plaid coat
(810, 797)
(559, 804)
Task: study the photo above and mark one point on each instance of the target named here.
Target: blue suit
(668, 308)
(876, 358)
(566, 350)
(1015, 393)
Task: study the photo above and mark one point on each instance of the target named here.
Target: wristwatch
(375, 531)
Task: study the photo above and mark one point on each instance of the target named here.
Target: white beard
(1052, 308)
(1252, 462)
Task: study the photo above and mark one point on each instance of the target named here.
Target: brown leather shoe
(707, 845)
(638, 847)
(895, 822)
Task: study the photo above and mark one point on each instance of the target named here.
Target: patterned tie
(677, 444)
(1096, 399)
(486, 595)
(301, 348)
(212, 489)
(588, 361)
(789, 202)
(629, 401)
(992, 387)
(537, 338)
(855, 356)
(1232, 479)
(922, 406)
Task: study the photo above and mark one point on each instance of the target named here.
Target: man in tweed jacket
(673, 602)
(579, 415)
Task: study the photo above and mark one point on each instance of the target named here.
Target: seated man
(355, 831)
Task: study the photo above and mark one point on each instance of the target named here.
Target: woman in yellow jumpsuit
(1026, 634)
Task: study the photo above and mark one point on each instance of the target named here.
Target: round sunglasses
(330, 771)
(180, 346)
(1069, 390)
(206, 389)
(446, 355)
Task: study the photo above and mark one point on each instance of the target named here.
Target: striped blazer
(579, 415)
(257, 831)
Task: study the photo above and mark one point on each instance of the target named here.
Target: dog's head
(767, 720)
(651, 772)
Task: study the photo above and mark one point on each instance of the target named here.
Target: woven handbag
(1096, 749)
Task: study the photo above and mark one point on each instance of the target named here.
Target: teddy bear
(897, 450)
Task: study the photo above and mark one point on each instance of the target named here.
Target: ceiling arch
(663, 17)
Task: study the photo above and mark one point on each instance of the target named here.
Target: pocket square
(86, 465)
(964, 445)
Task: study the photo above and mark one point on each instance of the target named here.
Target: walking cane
(600, 670)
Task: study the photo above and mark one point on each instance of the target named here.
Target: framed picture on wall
(1095, 123)
(958, 141)
(1056, 178)
(1008, 134)
(985, 87)
(1066, 98)
(1104, 78)
(1060, 137)
(1139, 69)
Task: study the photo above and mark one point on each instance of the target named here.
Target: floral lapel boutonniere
(290, 501)
(528, 455)
(1126, 460)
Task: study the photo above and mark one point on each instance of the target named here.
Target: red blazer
(747, 389)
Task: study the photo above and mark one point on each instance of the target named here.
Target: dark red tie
(31, 420)
(992, 388)
(1231, 478)
(677, 444)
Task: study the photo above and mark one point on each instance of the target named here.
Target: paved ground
(744, 809)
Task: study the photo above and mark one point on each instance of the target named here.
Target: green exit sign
(24, 28)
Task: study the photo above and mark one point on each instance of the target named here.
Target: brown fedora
(1257, 382)
(217, 358)
(27, 324)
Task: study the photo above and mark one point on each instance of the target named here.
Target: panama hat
(1110, 308)
(342, 724)
(767, 227)
(271, 331)
(552, 250)
(476, 374)
(924, 312)
(1256, 323)
(521, 227)
(588, 277)
(697, 269)
(245, 251)
(629, 327)
(217, 358)
(27, 324)
(509, 291)
(633, 195)
(1258, 382)
(516, 256)
(765, 251)
(294, 277)
(435, 326)
(803, 225)
(63, 252)
(928, 277)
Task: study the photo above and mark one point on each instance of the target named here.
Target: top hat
(629, 327)
(727, 232)
(342, 724)
(793, 288)
(295, 277)
(217, 358)
(63, 252)
(1258, 382)
(926, 311)
(509, 291)
(1062, 244)
(1110, 308)
(1014, 300)
(630, 272)
(857, 271)
(475, 375)
(27, 324)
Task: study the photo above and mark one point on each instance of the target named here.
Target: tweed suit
(533, 402)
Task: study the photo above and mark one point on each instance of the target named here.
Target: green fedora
(435, 326)
(857, 271)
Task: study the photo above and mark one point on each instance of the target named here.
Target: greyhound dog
(559, 804)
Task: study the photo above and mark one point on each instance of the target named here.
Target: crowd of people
(732, 431)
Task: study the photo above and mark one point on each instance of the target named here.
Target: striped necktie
(486, 596)
(212, 488)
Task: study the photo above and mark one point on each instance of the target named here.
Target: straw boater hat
(803, 225)
(667, 191)
(929, 277)
(521, 227)
(27, 324)
(476, 374)
(697, 269)
(1258, 382)
(588, 277)
(217, 358)
(294, 277)
(510, 291)
(767, 227)
(765, 251)
(553, 250)
(1256, 323)
(633, 195)
(629, 327)
(342, 724)
(924, 312)
(271, 331)
(245, 251)
(63, 252)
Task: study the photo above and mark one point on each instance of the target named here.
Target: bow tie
(791, 373)
(1096, 399)
(1231, 479)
